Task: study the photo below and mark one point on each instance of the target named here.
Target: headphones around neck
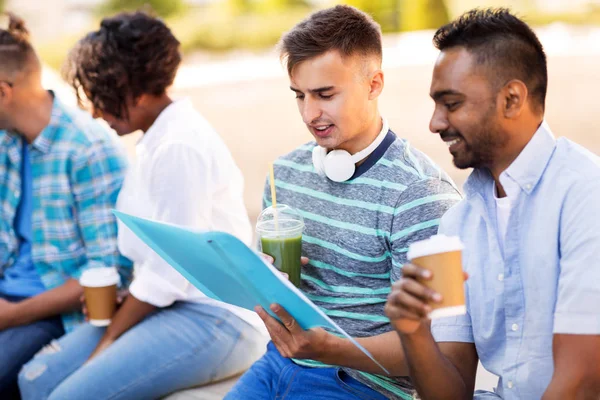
(339, 165)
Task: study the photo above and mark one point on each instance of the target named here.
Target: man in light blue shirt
(530, 223)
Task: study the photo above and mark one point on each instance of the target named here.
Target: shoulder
(81, 131)
(187, 129)
(575, 162)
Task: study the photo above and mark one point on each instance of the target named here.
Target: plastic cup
(280, 232)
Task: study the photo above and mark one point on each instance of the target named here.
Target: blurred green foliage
(163, 8)
(405, 15)
(258, 24)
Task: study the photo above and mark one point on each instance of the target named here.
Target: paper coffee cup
(442, 255)
(100, 290)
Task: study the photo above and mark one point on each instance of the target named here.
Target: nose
(310, 111)
(439, 120)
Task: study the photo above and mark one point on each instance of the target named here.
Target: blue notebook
(225, 269)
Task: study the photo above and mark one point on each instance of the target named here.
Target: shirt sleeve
(576, 309)
(417, 216)
(96, 179)
(458, 328)
(181, 185)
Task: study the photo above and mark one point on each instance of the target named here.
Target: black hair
(130, 55)
(503, 43)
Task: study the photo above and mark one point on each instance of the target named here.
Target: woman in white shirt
(167, 335)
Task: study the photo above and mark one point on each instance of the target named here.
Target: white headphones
(339, 165)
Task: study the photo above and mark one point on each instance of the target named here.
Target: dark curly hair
(130, 55)
(15, 49)
(503, 43)
(342, 28)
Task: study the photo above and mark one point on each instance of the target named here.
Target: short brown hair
(342, 28)
(15, 49)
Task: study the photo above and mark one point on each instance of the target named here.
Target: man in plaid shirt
(60, 173)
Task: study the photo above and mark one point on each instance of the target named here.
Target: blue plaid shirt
(77, 171)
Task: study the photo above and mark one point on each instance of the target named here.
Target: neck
(153, 108)
(33, 118)
(364, 139)
(517, 142)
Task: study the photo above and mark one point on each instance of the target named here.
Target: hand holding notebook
(225, 269)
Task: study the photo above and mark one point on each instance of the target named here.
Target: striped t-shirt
(357, 234)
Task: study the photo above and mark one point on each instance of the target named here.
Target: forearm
(433, 375)
(570, 385)
(385, 348)
(64, 298)
(129, 314)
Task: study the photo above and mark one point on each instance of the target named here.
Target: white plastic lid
(99, 277)
(280, 221)
(434, 245)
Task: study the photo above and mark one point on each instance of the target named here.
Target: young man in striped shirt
(361, 213)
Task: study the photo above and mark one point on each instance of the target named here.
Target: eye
(452, 106)
(299, 96)
(324, 97)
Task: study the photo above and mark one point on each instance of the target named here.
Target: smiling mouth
(453, 142)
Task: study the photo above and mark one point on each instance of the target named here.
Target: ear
(6, 92)
(514, 98)
(375, 84)
(141, 101)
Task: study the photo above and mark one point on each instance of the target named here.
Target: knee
(30, 379)
(34, 381)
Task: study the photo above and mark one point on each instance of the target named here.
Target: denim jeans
(19, 344)
(182, 346)
(276, 377)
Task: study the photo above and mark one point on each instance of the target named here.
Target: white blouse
(185, 175)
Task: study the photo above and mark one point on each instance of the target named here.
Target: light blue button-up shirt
(545, 279)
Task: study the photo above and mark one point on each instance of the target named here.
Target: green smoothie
(287, 253)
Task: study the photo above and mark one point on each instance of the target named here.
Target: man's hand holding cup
(431, 285)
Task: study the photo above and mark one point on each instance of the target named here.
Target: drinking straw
(273, 194)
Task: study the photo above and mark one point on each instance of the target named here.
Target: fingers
(409, 298)
(287, 320)
(278, 332)
(304, 260)
(412, 271)
(286, 276)
(267, 258)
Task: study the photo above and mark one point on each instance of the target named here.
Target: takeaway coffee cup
(442, 255)
(100, 290)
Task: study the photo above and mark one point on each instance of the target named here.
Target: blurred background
(233, 75)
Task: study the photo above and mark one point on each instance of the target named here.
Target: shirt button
(528, 186)
(500, 277)
(509, 384)
(514, 327)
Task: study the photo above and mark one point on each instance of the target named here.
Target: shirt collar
(178, 109)
(525, 171)
(45, 139)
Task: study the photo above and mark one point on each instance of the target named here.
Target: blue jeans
(19, 344)
(278, 378)
(182, 346)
